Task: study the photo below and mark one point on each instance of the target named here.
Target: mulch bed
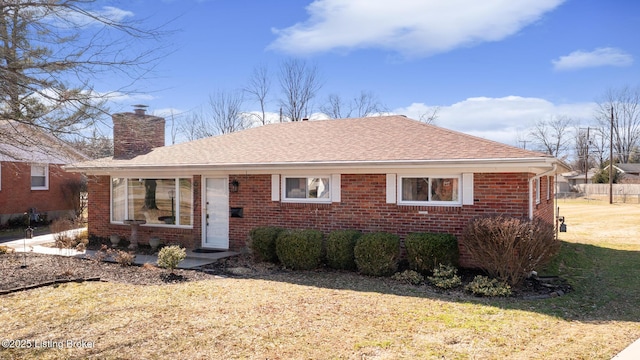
(43, 270)
(50, 269)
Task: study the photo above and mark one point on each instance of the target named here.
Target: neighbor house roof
(22, 143)
(370, 140)
(629, 168)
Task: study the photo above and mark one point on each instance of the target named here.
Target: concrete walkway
(632, 352)
(36, 245)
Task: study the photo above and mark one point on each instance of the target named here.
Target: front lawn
(330, 315)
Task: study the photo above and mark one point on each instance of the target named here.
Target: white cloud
(410, 27)
(114, 13)
(598, 57)
(66, 18)
(119, 97)
(500, 119)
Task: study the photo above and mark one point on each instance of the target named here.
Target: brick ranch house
(386, 173)
(31, 174)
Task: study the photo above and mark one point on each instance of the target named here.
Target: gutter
(539, 162)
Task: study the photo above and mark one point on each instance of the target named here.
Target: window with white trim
(166, 201)
(306, 188)
(537, 189)
(432, 190)
(39, 177)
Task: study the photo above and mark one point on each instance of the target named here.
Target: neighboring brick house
(387, 173)
(31, 176)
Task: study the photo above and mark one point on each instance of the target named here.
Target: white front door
(216, 216)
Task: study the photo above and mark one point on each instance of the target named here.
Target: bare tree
(95, 146)
(299, 83)
(625, 103)
(334, 107)
(226, 111)
(599, 142)
(258, 89)
(194, 126)
(223, 115)
(583, 149)
(365, 104)
(430, 117)
(552, 135)
(51, 51)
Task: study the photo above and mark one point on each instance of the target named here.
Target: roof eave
(490, 164)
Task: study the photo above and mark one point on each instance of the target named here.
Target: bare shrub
(101, 254)
(510, 248)
(62, 233)
(122, 257)
(66, 238)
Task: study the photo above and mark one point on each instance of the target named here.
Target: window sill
(168, 226)
(306, 201)
(429, 203)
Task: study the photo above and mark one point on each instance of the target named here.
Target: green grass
(340, 315)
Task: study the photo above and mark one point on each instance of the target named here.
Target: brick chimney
(136, 133)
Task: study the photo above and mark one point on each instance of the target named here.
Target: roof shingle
(383, 138)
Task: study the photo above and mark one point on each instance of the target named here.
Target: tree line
(587, 145)
(293, 97)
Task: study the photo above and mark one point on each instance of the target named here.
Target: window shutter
(275, 187)
(467, 189)
(391, 188)
(335, 188)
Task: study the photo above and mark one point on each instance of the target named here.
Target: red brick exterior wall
(16, 196)
(545, 210)
(363, 207)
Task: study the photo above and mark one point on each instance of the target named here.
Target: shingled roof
(23, 143)
(351, 141)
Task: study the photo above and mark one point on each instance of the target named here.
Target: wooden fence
(623, 193)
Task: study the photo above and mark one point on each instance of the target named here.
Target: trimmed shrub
(262, 243)
(445, 277)
(377, 253)
(409, 277)
(510, 248)
(339, 247)
(170, 256)
(483, 286)
(300, 249)
(426, 250)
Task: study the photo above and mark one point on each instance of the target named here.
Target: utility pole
(586, 160)
(611, 159)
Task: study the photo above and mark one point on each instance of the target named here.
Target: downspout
(531, 199)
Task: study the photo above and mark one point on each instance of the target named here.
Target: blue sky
(493, 67)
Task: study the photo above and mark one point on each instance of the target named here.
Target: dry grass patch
(332, 315)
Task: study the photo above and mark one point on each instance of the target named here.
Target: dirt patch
(47, 268)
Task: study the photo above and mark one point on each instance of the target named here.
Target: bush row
(371, 254)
